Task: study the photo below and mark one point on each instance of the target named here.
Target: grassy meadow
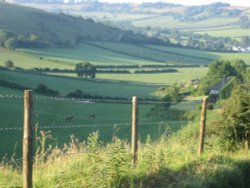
(232, 33)
(85, 52)
(113, 54)
(110, 118)
(29, 60)
(161, 79)
(170, 22)
(152, 54)
(94, 87)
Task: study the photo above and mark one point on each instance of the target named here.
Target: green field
(94, 87)
(105, 53)
(110, 118)
(230, 56)
(66, 58)
(233, 33)
(152, 54)
(206, 54)
(29, 60)
(200, 54)
(170, 22)
(88, 53)
(183, 75)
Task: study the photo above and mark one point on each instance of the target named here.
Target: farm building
(221, 89)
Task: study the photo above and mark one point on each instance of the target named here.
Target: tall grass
(170, 162)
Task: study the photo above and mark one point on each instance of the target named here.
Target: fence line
(92, 125)
(27, 158)
(91, 100)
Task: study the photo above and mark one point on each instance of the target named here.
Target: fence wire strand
(91, 100)
(91, 125)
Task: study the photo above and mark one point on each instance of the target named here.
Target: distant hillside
(214, 27)
(29, 27)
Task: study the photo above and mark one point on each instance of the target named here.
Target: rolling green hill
(213, 27)
(23, 26)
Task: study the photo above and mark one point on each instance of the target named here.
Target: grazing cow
(91, 116)
(69, 118)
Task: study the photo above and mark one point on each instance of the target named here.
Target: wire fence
(111, 127)
(95, 100)
(20, 128)
(82, 116)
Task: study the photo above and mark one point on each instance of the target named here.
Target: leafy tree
(216, 71)
(9, 64)
(85, 70)
(10, 43)
(4, 36)
(247, 76)
(240, 67)
(235, 123)
(220, 69)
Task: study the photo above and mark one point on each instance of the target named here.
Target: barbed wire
(11, 96)
(91, 125)
(11, 129)
(91, 100)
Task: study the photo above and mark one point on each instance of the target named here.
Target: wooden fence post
(27, 140)
(134, 138)
(202, 125)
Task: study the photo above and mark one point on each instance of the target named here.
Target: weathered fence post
(27, 140)
(202, 125)
(134, 138)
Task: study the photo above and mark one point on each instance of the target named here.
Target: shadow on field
(216, 172)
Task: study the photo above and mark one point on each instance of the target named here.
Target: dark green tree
(44, 90)
(9, 64)
(221, 68)
(85, 70)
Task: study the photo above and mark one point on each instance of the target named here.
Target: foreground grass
(170, 162)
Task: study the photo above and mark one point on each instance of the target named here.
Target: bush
(111, 71)
(234, 125)
(9, 64)
(44, 90)
(12, 85)
(155, 71)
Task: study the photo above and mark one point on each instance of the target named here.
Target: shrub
(235, 118)
(44, 90)
(9, 64)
